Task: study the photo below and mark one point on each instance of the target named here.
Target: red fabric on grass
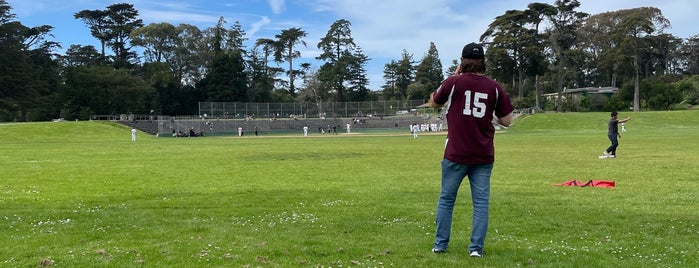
(591, 183)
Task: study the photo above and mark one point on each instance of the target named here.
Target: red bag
(591, 183)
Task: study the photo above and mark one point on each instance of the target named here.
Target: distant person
(348, 128)
(305, 131)
(415, 128)
(613, 134)
(623, 127)
(472, 100)
(133, 134)
(335, 129)
(240, 131)
(256, 130)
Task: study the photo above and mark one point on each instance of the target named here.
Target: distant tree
(405, 73)
(689, 51)
(635, 25)
(563, 38)
(337, 47)
(112, 27)
(390, 77)
(158, 39)
(428, 73)
(226, 80)
(77, 55)
(286, 42)
(103, 90)
(28, 73)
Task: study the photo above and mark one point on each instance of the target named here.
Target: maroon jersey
(470, 101)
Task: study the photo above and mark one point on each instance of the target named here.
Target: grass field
(81, 194)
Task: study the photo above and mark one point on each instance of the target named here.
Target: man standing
(613, 134)
(471, 100)
(305, 130)
(133, 134)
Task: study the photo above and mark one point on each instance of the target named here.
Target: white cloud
(256, 26)
(277, 6)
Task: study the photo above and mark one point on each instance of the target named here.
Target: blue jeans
(615, 142)
(479, 180)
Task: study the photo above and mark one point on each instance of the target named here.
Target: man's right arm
(505, 120)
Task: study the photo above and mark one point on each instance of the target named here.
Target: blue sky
(382, 28)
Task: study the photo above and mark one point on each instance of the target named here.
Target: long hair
(472, 65)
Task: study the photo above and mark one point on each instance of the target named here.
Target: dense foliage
(181, 64)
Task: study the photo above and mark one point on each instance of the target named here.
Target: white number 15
(475, 104)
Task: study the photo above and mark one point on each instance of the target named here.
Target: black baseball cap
(614, 113)
(473, 51)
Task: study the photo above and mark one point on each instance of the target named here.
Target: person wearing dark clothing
(613, 134)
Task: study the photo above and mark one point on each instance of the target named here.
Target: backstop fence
(227, 118)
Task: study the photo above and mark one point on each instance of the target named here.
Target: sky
(381, 28)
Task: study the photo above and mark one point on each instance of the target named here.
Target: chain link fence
(232, 110)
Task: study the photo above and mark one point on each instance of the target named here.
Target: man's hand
(431, 102)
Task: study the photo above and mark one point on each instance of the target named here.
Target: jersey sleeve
(504, 106)
(441, 95)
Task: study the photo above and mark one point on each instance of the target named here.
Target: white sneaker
(476, 254)
(606, 153)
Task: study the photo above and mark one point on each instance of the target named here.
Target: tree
(286, 41)
(77, 55)
(357, 76)
(563, 37)
(226, 80)
(112, 27)
(405, 71)
(28, 73)
(510, 38)
(633, 27)
(262, 76)
(103, 90)
(158, 39)
(96, 21)
(689, 51)
(428, 73)
(337, 46)
(390, 76)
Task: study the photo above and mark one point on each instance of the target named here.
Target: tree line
(162, 68)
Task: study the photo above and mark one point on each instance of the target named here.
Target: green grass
(81, 194)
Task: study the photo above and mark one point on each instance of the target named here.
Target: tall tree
(637, 24)
(689, 51)
(405, 73)
(158, 39)
(286, 42)
(337, 42)
(428, 73)
(122, 19)
(390, 77)
(28, 74)
(262, 76)
(112, 27)
(344, 69)
(226, 80)
(510, 36)
(429, 70)
(537, 64)
(97, 22)
(563, 38)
